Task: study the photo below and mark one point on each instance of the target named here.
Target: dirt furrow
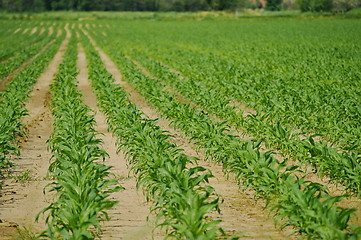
(22, 195)
(34, 30)
(11, 76)
(17, 30)
(334, 189)
(128, 217)
(240, 214)
(42, 30)
(51, 30)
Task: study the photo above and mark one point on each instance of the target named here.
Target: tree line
(175, 5)
(121, 5)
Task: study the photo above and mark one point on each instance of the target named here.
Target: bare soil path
(241, 215)
(128, 217)
(21, 201)
(11, 76)
(34, 30)
(51, 30)
(17, 30)
(334, 190)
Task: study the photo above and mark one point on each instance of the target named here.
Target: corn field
(275, 104)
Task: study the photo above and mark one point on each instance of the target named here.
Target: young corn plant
(81, 184)
(13, 45)
(16, 61)
(276, 135)
(180, 194)
(321, 218)
(213, 78)
(12, 103)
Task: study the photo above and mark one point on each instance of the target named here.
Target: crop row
(12, 102)
(341, 167)
(290, 80)
(15, 44)
(21, 56)
(214, 93)
(310, 82)
(304, 205)
(180, 194)
(81, 184)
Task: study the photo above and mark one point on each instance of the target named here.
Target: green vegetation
(12, 43)
(22, 52)
(26, 176)
(264, 99)
(204, 62)
(180, 195)
(211, 79)
(12, 102)
(81, 184)
(315, 5)
(177, 5)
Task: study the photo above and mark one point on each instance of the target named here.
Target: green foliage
(122, 5)
(15, 45)
(81, 183)
(345, 5)
(180, 193)
(200, 88)
(273, 5)
(20, 57)
(24, 177)
(12, 101)
(214, 86)
(301, 204)
(315, 5)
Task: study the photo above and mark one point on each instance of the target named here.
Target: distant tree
(113, 5)
(238, 4)
(195, 5)
(59, 5)
(315, 5)
(47, 5)
(151, 5)
(23, 5)
(178, 5)
(38, 5)
(13, 5)
(289, 4)
(345, 5)
(130, 5)
(273, 5)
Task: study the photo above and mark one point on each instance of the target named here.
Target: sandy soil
(58, 33)
(241, 215)
(42, 30)
(10, 77)
(17, 30)
(334, 190)
(22, 200)
(51, 30)
(128, 217)
(34, 30)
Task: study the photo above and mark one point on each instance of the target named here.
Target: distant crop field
(201, 115)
